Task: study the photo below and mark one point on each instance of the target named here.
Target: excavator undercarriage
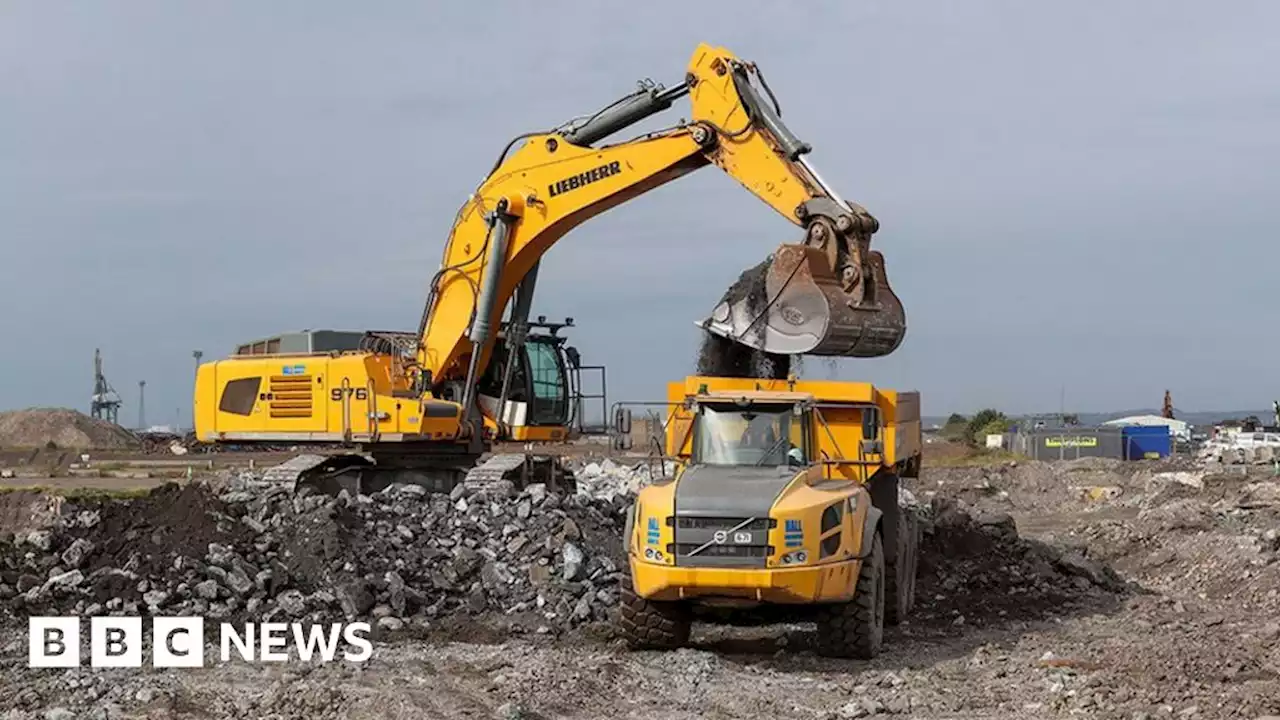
(359, 474)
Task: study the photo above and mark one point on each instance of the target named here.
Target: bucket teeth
(794, 305)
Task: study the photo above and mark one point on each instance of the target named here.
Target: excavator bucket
(793, 304)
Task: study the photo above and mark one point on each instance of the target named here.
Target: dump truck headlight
(653, 555)
(796, 557)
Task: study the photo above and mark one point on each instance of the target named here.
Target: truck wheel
(647, 624)
(856, 629)
(901, 576)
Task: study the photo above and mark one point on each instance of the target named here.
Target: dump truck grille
(290, 396)
(716, 523)
(721, 541)
(740, 551)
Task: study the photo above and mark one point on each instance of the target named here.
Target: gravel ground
(1084, 588)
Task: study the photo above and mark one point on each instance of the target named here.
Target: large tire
(900, 590)
(856, 629)
(651, 625)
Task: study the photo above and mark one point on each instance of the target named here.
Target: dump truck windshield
(759, 435)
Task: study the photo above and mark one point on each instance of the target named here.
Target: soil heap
(65, 428)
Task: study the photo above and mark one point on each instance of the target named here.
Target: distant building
(1177, 428)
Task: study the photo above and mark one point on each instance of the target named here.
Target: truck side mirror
(622, 421)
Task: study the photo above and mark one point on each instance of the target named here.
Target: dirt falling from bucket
(722, 357)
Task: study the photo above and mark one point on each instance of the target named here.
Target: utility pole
(197, 354)
(142, 404)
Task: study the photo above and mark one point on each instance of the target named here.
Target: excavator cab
(544, 395)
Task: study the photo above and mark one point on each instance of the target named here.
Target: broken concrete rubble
(244, 547)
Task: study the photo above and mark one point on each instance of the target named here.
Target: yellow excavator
(425, 407)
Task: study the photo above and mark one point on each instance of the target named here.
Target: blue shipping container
(1146, 442)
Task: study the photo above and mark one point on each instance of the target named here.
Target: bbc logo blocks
(116, 642)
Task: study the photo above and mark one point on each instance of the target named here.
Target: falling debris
(719, 356)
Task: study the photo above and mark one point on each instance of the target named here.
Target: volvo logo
(720, 537)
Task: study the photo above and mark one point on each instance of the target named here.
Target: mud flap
(795, 305)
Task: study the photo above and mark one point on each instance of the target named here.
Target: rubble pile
(606, 479)
(1229, 454)
(62, 428)
(977, 567)
(534, 561)
(240, 549)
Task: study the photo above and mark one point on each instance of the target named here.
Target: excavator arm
(827, 295)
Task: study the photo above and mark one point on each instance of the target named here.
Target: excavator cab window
(547, 381)
(539, 380)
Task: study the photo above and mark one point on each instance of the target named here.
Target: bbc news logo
(54, 642)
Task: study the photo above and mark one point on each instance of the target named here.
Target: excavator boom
(427, 409)
(825, 295)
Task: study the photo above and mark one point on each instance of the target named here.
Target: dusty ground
(1195, 637)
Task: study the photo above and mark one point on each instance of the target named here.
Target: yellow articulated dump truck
(784, 499)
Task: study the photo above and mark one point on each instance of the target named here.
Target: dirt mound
(977, 567)
(147, 532)
(65, 428)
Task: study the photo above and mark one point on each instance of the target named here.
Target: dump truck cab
(785, 494)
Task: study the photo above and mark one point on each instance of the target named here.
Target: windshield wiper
(771, 451)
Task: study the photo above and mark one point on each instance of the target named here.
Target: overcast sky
(1070, 194)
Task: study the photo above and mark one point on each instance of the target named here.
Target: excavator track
(290, 470)
(330, 474)
(496, 468)
(521, 470)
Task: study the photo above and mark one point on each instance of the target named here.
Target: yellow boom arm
(827, 296)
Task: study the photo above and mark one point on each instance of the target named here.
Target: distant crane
(105, 403)
(142, 404)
